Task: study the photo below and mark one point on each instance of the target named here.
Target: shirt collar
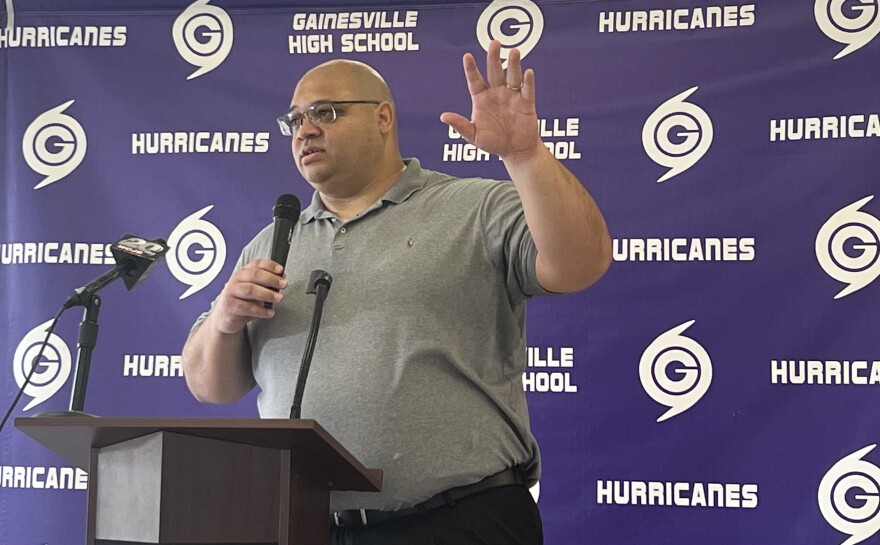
(410, 181)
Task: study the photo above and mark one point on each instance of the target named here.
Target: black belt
(360, 518)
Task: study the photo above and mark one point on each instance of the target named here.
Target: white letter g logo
(514, 23)
(54, 144)
(214, 25)
(854, 27)
(856, 480)
(675, 371)
(197, 252)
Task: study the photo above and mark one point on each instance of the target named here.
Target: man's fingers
(261, 272)
(248, 291)
(265, 264)
(494, 72)
(514, 78)
(461, 124)
(528, 85)
(475, 82)
(234, 312)
(240, 308)
(249, 288)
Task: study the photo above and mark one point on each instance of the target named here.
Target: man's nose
(307, 129)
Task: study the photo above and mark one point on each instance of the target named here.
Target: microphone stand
(88, 336)
(135, 258)
(319, 285)
(85, 344)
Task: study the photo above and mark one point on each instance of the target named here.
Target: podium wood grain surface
(205, 481)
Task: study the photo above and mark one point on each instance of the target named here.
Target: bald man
(419, 367)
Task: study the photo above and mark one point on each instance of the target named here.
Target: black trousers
(506, 515)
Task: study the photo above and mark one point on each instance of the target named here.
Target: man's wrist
(527, 156)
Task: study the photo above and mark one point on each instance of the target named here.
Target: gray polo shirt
(419, 361)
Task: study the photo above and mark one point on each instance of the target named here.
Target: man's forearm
(574, 248)
(217, 365)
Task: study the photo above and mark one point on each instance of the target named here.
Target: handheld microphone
(286, 213)
(135, 259)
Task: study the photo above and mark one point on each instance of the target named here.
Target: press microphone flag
(135, 259)
(139, 255)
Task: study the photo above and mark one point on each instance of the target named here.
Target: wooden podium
(204, 481)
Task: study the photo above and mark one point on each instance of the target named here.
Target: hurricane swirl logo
(514, 23)
(54, 144)
(677, 134)
(848, 247)
(850, 22)
(203, 36)
(849, 497)
(197, 252)
(53, 369)
(10, 16)
(675, 371)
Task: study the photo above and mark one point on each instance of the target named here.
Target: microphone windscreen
(287, 207)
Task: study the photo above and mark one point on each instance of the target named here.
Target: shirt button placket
(339, 240)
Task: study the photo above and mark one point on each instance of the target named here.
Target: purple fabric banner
(720, 383)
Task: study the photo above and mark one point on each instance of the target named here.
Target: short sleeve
(509, 242)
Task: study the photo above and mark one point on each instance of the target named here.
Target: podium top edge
(74, 437)
(166, 422)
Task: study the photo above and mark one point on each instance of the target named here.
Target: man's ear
(385, 115)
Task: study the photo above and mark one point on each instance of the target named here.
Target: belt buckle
(343, 523)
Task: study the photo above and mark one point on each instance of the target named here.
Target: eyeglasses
(319, 113)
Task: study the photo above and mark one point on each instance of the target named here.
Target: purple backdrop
(719, 384)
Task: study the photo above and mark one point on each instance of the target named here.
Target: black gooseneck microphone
(319, 285)
(286, 213)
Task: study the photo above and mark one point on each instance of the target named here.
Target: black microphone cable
(34, 364)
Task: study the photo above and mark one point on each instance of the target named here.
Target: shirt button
(342, 230)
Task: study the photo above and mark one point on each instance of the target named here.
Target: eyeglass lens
(318, 113)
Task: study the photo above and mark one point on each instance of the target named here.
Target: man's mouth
(309, 154)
